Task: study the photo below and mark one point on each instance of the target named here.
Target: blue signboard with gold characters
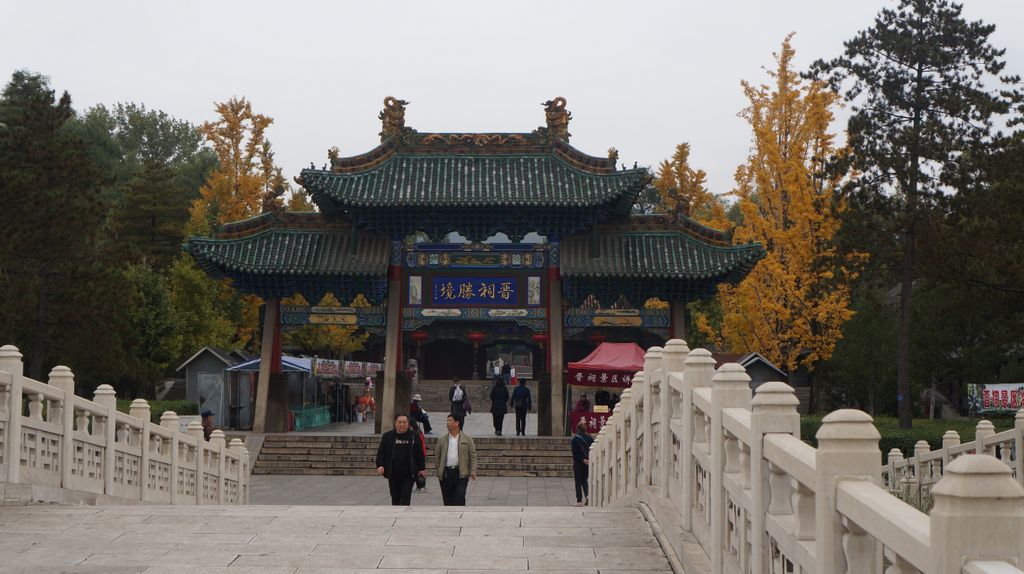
(474, 291)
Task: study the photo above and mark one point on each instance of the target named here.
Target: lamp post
(476, 337)
(419, 337)
(541, 338)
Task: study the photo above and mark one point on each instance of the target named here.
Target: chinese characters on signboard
(326, 368)
(997, 397)
(474, 291)
(594, 421)
(618, 379)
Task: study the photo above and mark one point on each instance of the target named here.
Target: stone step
(354, 455)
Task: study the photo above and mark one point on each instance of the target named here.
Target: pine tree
(922, 83)
(59, 291)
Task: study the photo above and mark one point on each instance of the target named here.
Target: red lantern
(597, 338)
(419, 336)
(476, 337)
(540, 338)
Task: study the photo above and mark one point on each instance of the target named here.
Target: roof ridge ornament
(557, 118)
(392, 118)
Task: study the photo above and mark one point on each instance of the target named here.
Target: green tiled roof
(654, 255)
(672, 265)
(540, 180)
(292, 251)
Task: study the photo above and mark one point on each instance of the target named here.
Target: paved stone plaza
(335, 539)
(373, 490)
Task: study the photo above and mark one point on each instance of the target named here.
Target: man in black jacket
(521, 402)
(400, 459)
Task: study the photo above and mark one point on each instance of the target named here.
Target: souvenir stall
(600, 377)
(301, 391)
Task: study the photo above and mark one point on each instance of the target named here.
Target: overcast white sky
(640, 76)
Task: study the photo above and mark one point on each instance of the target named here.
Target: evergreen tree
(920, 83)
(59, 292)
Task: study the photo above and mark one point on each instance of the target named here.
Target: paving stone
(451, 562)
(361, 539)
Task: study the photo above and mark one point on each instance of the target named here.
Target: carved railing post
(673, 357)
(107, 398)
(1018, 446)
(730, 388)
(984, 430)
(140, 410)
(772, 410)
(238, 447)
(639, 433)
(596, 468)
(950, 439)
(847, 450)
(10, 361)
(169, 420)
(978, 515)
(217, 439)
(698, 369)
(629, 433)
(894, 483)
(62, 378)
(195, 430)
(653, 396)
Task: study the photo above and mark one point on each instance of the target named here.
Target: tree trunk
(903, 333)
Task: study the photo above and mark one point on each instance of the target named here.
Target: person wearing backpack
(457, 397)
(581, 463)
(521, 402)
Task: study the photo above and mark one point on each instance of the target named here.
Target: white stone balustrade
(727, 471)
(51, 438)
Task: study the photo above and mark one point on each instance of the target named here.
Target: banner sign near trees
(1001, 397)
(327, 367)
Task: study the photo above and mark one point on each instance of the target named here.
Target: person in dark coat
(499, 398)
(581, 463)
(521, 402)
(457, 397)
(400, 459)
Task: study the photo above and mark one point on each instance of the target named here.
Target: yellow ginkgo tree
(683, 189)
(792, 306)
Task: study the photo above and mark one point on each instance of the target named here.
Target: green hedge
(157, 408)
(893, 436)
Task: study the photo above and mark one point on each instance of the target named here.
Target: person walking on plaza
(207, 420)
(418, 414)
(456, 462)
(581, 463)
(400, 459)
(506, 372)
(499, 404)
(457, 397)
(521, 402)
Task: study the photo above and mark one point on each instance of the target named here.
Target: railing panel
(898, 525)
(795, 457)
(50, 437)
(760, 500)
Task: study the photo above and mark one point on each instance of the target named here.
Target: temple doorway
(446, 359)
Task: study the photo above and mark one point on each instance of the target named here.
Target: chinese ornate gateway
(583, 272)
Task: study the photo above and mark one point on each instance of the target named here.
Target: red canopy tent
(610, 365)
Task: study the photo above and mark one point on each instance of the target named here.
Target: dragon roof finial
(557, 118)
(392, 117)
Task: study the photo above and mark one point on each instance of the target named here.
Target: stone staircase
(354, 455)
(435, 394)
